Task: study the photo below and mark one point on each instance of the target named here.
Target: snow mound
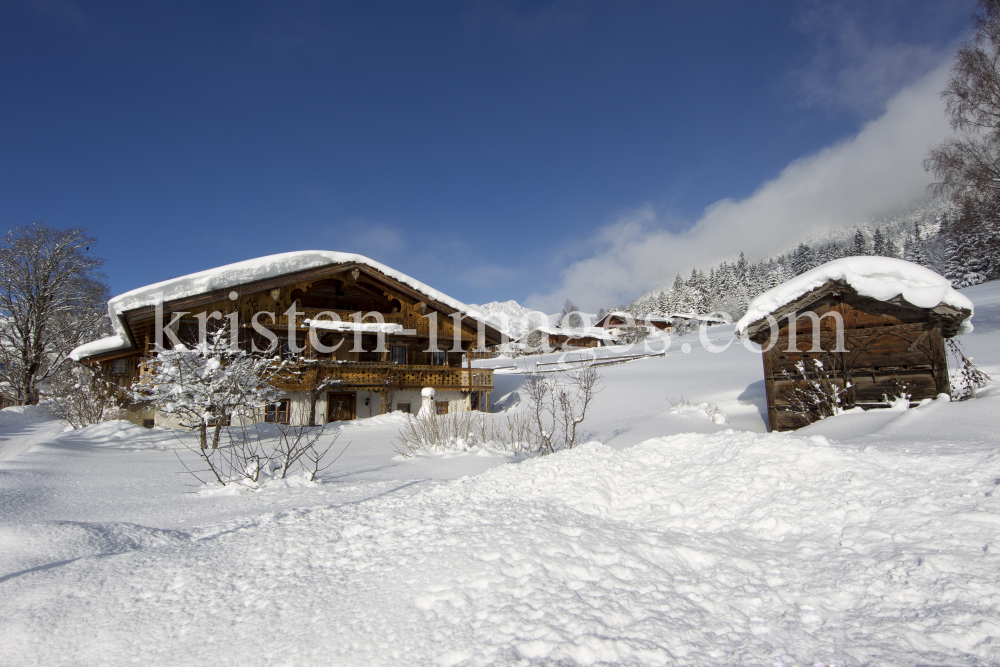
(730, 548)
(55, 541)
(24, 414)
(882, 278)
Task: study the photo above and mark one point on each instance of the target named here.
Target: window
(399, 355)
(439, 358)
(119, 367)
(442, 407)
(277, 413)
(212, 420)
(149, 423)
(403, 407)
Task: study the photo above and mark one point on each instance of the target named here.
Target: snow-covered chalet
(337, 297)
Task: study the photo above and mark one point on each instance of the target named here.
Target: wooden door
(340, 407)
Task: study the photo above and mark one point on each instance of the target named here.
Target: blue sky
(494, 150)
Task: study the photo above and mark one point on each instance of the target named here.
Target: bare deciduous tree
(970, 161)
(570, 316)
(52, 299)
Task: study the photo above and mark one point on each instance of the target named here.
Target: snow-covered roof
(669, 317)
(370, 327)
(579, 332)
(881, 278)
(240, 273)
(711, 317)
(99, 346)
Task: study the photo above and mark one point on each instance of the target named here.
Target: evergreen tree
(878, 243)
(803, 259)
(859, 246)
(915, 248)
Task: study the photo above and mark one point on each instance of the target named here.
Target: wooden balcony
(376, 374)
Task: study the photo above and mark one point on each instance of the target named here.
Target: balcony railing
(377, 374)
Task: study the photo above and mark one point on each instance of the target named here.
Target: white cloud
(864, 53)
(878, 171)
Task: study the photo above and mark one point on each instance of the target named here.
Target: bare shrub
(461, 431)
(970, 378)
(715, 414)
(557, 405)
(247, 457)
(82, 397)
(815, 395)
(679, 404)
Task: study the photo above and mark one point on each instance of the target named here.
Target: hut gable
(881, 329)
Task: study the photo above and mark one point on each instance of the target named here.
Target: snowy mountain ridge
(508, 316)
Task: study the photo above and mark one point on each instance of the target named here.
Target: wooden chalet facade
(891, 348)
(385, 372)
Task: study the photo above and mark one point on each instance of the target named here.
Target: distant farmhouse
(617, 320)
(338, 297)
(543, 337)
(895, 317)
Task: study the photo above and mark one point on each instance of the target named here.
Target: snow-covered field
(668, 539)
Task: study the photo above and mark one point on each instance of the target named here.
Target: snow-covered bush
(680, 405)
(968, 379)
(462, 431)
(815, 394)
(82, 397)
(207, 385)
(632, 335)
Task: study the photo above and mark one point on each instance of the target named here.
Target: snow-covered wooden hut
(618, 320)
(565, 338)
(890, 317)
(340, 299)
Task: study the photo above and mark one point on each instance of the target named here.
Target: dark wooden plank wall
(891, 350)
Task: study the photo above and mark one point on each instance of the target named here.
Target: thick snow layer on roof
(99, 346)
(711, 317)
(233, 275)
(581, 332)
(882, 278)
(340, 325)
